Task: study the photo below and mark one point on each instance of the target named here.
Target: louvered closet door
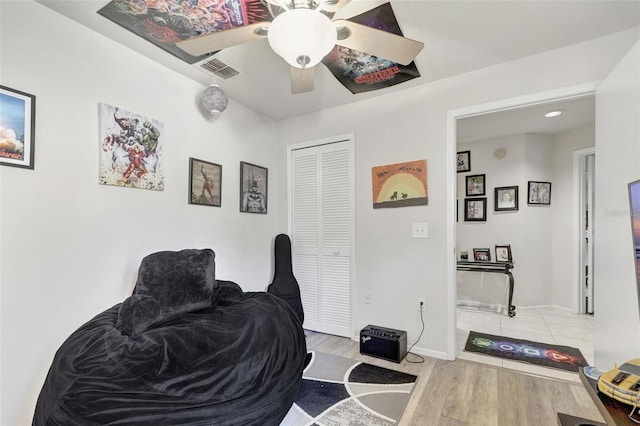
(321, 194)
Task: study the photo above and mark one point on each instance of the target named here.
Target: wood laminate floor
(465, 392)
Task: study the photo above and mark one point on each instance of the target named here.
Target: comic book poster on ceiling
(360, 72)
(165, 22)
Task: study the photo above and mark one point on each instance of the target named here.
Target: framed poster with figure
(253, 188)
(205, 183)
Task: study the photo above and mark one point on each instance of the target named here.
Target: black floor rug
(341, 391)
(544, 354)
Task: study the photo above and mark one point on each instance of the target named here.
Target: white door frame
(569, 92)
(578, 248)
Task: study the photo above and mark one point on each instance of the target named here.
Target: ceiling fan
(302, 33)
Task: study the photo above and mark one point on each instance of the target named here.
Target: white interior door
(321, 227)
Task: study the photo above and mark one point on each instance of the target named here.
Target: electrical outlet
(420, 230)
(422, 304)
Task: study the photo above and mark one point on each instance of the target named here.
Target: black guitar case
(284, 285)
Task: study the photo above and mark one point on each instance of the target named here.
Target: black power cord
(421, 360)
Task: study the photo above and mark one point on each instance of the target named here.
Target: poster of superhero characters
(165, 22)
(130, 149)
(361, 72)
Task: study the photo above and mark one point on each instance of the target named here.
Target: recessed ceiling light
(554, 113)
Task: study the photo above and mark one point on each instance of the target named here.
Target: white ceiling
(459, 36)
(576, 112)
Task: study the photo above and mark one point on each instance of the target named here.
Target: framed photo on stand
(482, 255)
(503, 253)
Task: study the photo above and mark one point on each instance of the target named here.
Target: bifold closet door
(321, 191)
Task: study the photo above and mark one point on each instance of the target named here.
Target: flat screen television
(634, 207)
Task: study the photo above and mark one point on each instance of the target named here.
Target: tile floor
(546, 325)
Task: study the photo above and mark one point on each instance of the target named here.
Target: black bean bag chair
(184, 349)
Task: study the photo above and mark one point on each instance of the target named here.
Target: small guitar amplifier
(385, 343)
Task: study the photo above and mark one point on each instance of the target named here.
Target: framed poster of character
(253, 188)
(205, 183)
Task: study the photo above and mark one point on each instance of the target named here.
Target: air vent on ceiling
(217, 67)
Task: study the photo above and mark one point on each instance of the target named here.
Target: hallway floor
(545, 325)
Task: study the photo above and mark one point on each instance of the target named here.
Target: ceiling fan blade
(376, 42)
(333, 6)
(302, 79)
(219, 40)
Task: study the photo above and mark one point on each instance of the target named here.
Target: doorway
(584, 185)
(452, 139)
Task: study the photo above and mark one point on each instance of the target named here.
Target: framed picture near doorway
(475, 209)
(482, 255)
(463, 161)
(505, 198)
(503, 253)
(475, 185)
(539, 193)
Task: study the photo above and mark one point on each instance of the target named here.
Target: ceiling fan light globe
(214, 99)
(302, 32)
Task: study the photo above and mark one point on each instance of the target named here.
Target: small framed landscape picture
(463, 161)
(205, 183)
(539, 193)
(506, 198)
(503, 253)
(482, 255)
(17, 128)
(475, 185)
(475, 209)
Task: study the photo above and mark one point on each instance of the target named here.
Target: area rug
(341, 391)
(544, 354)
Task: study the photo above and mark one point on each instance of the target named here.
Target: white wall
(395, 268)
(617, 330)
(70, 247)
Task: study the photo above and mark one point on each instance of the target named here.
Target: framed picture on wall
(539, 193)
(463, 162)
(253, 188)
(482, 255)
(505, 198)
(475, 209)
(17, 136)
(475, 185)
(503, 253)
(205, 183)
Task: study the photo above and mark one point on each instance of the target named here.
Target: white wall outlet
(422, 304)
(367, 298)
(420, 230)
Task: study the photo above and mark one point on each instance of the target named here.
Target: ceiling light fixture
(554, 113)
(214, 99)
(302, 37)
